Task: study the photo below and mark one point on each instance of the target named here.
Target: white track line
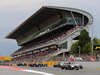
(38, 72)
(25, 70)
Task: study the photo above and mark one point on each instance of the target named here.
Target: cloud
(15, 5)
(20, 5)
(6, 3)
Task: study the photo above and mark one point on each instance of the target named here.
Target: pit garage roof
(37, 18)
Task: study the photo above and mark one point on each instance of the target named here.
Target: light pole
(92, 40)
(79, 50)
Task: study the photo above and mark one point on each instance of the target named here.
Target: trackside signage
(5, 58)
(96, 47)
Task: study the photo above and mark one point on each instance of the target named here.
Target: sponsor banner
(50, 63)
(53, 47)
(5, 58)
(96, 47)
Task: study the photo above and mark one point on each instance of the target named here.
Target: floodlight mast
(92, 40)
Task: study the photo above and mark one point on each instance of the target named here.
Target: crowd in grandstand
(40, 55)
(53, 38)
(33, 57)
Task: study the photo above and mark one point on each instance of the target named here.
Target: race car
(80, 66)
(58, 65)
(34, 65)
(38, 65)
(44, 65)
(71, 66)
(21, 64)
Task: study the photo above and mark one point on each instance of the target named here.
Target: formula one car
(78, 65)
(5, 64)
(71, 66)
(21, 64)
(58, 65)
(38, 65)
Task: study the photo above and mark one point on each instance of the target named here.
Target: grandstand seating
(48, 32)
(51, 39)
(39, 56)
(33, 57)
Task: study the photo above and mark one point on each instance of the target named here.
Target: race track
(48, 71)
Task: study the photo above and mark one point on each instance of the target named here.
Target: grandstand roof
(40, 16)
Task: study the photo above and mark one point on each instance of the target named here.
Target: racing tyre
(66, 68)
(77, 68)
(81, 67)
(62, 68)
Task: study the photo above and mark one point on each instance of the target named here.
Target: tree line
(84, 43)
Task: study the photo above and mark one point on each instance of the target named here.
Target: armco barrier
(48, 63)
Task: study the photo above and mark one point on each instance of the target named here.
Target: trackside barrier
(50, 63)
(13, 64)
(27, 64)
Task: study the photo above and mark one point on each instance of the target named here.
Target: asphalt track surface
(48, 71)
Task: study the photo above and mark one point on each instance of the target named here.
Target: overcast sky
(14, 12)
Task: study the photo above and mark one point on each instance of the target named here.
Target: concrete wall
(90, 64)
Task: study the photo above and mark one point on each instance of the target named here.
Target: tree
(84, 41)
(74, 48)
(95, 41)
(84, 38)
(87, 49)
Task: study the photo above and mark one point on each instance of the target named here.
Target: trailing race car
(38, 65)
(71, 66)
(21, 64)
(58, 65)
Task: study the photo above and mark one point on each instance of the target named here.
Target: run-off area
(47, 71)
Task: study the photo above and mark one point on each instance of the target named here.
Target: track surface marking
(25, 70)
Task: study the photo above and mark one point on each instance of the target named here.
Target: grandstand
(48, 32)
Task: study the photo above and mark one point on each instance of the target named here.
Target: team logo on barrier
(96, 47)
(5, 58)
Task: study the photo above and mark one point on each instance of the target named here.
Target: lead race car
(71, 66)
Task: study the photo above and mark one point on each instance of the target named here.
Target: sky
(14, 12)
